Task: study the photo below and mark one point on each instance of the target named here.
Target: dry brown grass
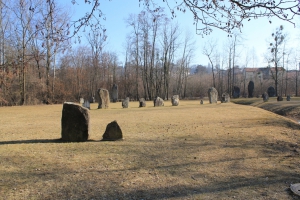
(192, 151)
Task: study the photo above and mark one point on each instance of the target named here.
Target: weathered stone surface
(236, 92)
(288, 97)
(212, 95)
(175, 100)
(271, 91)
(113, 132)
(158, 102)
(142, 102)
(102, 96)
(250, 89)
(225, 97)
(201, 101)
(74, 123)
(125, 103)
(265, 96)
(279, 98)
(114, 93)
(86, 104)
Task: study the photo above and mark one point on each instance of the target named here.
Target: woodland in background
(40, 63)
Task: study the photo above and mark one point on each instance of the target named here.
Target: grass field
(193, 151)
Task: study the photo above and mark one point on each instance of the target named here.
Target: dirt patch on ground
(193, 151)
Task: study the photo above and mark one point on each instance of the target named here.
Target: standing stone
(288, 97)
(271, 91)
(201, 101)
(225, 98)
(114, 93)
(74, 123)
(81, 101)
(125, 102)
(279, 98)
(113, 132)
(250, 89)
(158, 102)
(92, 100)
(236, 92)
(265, 96)
(212, 95)
(102, 96)
(142, 102)
(86, 104)
(175, 100)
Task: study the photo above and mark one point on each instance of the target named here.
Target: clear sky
(256, 32)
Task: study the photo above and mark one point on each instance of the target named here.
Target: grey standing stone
(125, 103)
(81, 101)
(250, 89)
(74, 123)
(288, 97)
(158, 102)
(102, 96)
(236, 92)
(271, 91)
(201, 101)
(86, 104)
(212, 95)
(175, 100)
(142, 102)
(114, 93)
(113, 132)
(265, 97)
(225, 97)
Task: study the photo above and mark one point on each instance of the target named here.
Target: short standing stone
(86, 104)
(271, 92)
(113, 132)
(265, 96)
(74, 123)
(114, 93)
(102, 96)
(279, 98)
(175, 100)
(81, 101)
(288, 97)
(201, 101)
(125, 103)
(142, 102)
(158, 102)
(236, 92)
(225, 98)
(212, 95)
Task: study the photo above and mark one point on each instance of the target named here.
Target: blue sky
(256, 32)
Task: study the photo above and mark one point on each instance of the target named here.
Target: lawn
(193, 151)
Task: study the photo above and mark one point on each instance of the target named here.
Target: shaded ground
(290, 109)
(193, 151)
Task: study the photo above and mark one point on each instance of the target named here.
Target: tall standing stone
(158, 102)
(225, 98)
(125, 102)
(175, 100)
(114, 93)
(112, 132)
(103, 98)
(74, 123)
(250, 89)
(142, 102)
(265, 97)
(212, 95)
(288, 97)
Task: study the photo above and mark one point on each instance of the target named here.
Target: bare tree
(209, 49)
